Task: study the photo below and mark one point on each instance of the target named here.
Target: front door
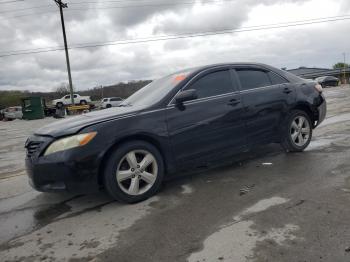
(210, 127)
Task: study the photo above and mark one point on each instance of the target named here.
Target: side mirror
(186, 95)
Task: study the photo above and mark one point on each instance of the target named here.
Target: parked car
(190, 119)
(111, 102)
(326, 81)
(12, 113)
(66, 100)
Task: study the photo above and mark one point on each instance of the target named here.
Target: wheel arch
(140, 137)
(308, 110)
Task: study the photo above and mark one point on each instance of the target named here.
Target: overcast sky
(319, 45)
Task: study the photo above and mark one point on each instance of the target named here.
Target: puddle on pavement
(335, 119)
(262, 205)
(24, 220)
(46, 215)
(79, 234)
(347, 183)
(186, 189)
(236, 242)
(320, 142)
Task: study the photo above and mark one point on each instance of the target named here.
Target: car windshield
(156, 90)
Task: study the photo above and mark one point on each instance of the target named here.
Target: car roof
(291, 77)
(231, 64)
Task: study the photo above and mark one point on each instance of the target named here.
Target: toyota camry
(193, 118)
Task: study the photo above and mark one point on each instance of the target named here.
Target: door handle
(234, 102)
(287, 90)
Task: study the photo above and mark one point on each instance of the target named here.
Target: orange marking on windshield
(179, 78)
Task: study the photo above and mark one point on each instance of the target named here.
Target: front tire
(296, 132)
(134, 172)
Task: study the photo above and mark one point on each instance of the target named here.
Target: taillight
(319, 88)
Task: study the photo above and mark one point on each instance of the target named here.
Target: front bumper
(70, 170)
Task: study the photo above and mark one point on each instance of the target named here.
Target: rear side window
(276, 79)
(253, 78)
(212, 84)
(116, 99)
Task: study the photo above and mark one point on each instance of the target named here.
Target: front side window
(253, 78)
(66, 97)
(212, 84)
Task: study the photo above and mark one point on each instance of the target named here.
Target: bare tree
(62, 89)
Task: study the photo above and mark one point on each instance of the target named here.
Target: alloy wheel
(137, 172)
(300, 131)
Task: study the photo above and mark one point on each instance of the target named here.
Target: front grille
(32, 147)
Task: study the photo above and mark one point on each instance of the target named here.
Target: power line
(153, 5)
(110, 1)
(107, 7)
(188, 34)
(25, 9)
(113, 7)
(172, 37)
(73, 3)
(13, 1)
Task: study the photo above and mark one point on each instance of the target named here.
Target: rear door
(210, 127)
(76, 99)
(115, 101)
(266, 98)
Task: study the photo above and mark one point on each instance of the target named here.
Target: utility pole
(344, 54)
(61, 6)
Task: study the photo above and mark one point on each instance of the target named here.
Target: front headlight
(69, 142)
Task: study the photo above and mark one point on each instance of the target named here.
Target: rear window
(276, 79)
(253, 78)
(116, 99)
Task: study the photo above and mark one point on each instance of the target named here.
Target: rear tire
(296, 131)
(83, 102)
(132, 177)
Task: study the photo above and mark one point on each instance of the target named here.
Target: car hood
(72, 125)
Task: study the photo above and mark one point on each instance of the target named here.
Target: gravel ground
(266, 206)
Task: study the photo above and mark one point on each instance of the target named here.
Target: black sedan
(193, 118)
(326, 81)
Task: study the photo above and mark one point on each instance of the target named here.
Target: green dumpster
(33, 108)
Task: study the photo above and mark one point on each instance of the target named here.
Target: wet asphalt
(265, 205)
